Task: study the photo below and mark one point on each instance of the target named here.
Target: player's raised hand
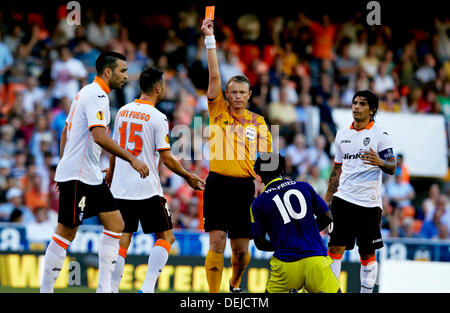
(208, 27)
(141, 167)
(195, 182)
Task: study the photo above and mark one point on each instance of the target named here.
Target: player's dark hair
(269, 165)
(372, 100)
(239, 79)
(108, 60)
(148, 79)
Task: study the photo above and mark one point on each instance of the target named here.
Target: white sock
(368, 274)
(53, 262)
(156, 261)
(107, 258)
(336, 265)
(118, 270)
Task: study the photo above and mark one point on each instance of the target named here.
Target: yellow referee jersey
(235, 139)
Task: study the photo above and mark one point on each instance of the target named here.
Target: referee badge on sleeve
(250, 132)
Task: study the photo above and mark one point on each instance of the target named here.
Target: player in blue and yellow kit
(285, 211)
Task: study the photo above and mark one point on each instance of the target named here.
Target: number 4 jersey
(144, 131)
(285, 211)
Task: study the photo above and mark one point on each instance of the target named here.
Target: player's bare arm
(172, 164)
(214, 86)
(63, 141)
(103, 140)
(110, 171)
(370, 157)
(333, 182)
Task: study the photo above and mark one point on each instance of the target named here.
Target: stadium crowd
(300, 69)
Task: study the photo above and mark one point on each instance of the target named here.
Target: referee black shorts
(78, 201)
(226, 204)
(353, 222)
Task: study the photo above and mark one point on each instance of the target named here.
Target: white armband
(210, 42)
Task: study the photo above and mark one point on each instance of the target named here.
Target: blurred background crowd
(301, 67)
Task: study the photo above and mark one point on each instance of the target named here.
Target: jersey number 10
(285, 206)
(134, 137)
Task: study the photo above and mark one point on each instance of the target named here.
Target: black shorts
(226, 204)
(351, 221)
(153, 213)
(78, 201)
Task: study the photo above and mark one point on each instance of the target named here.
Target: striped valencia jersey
(361, 183)
(234, 140)
(81, 156)
(143, 130)
(285, 211)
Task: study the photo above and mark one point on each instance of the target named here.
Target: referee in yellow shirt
(235, 135)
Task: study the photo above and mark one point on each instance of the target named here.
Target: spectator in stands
(284, 114)
(370, 62)
(430, 228)
(442, 204)
(400, 194)
(426, 72)
(297, 153)
(189, 218)
(131, 89)
(443, 232)
(429, 203)
(388, 102)
(6, 59)
(323, 36)
(180, 81)
(383, 81)
(346, 66)
(87, 55)
(99, 33)
(314, 178)
(358, 47)
(442, 39)
(59, 119)
(33, 95)
(7, 146)
(14, 196)
(67, 74)
(19, 168)
(428, 102)
(404, 171)
(43, 226)
(230, 66)
(286, 85)
(317, 156)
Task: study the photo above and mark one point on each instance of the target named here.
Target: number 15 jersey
(143, 131)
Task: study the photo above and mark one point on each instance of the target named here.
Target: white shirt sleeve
(162, 139)
(385, 148)
(96, 111)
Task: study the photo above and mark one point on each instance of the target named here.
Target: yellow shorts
(313, 273)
